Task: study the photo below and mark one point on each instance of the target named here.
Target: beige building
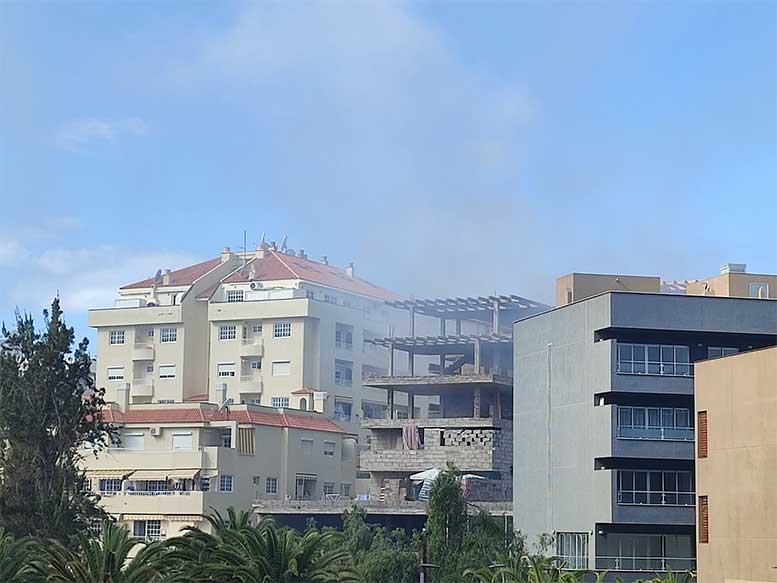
(736, 467)
(206, 350)
(735, 282)
(574, 287)
(177, 462)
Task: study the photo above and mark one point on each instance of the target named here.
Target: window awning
(307, 476)
(107, 474)
(150, 475)
(182, 474)
(184, 518)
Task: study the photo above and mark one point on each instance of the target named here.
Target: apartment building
(736, 467)
(469, 378)
(268, 335)
(604, 431)
(177, 462)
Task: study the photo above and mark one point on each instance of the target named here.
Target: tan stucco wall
(585, 285)
(739, 476)
(732, 285)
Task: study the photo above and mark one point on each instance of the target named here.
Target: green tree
(106, 559)
(17, 562)
(49, 409)
(237, 552)
(446, 524)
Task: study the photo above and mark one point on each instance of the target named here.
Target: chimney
(733, 268)
(349, 269)
(166, 277)
(226, 255)
(260, 251)
(324, 260)
(301, 253)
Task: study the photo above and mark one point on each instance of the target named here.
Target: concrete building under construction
(467, 376)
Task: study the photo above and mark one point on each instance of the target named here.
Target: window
(227, 332)
(305, 486)
(329, 448)
(702, 425)
(204, 484)
(282, 330)
(147, 529)
(280, 402)
(234, 295)
(132, 441)
(246, 441)
(256, 329)
(343, 373)
(655, 487)
(307, 446)
(704, 520)
(167, 371)
(166, 401)
(374, 410)
(271, 486)
(182, 441)
(281, 368)
(156, 486)
(225, 483)
(654, 423)
(344, 336)
(572, 549)
(168, 334)
(226, 438)
(256, 365)
(310, 295)
(150, 369)
(329, 488)
(715, 351)
(330, 299)
(226, 369)
(150, 333)
(116, 337)
(759, 290)
(116, 373)
(110, 485)
(345, 490)
(342, 411)
(659, 359)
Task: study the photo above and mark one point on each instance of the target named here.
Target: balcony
(251, 383)
(142, 387)
(656, 433)
(135, 316)
(143, 350)
(251, 347)
(156, 503)
(649, 564)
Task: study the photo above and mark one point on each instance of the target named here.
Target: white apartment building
(265, 332)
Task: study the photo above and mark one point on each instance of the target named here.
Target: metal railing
(656, 498)
(646, 563)
(657, 433)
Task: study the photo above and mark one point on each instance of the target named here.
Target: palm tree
(526, 569)
(105, 559)
(238, 552)
(671, 577)
(16, 562)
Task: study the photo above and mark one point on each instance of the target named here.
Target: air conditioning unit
(255, 285)
(155, 430)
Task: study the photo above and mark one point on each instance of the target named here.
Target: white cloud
(80, 133)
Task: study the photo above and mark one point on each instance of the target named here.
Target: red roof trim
(184, 276)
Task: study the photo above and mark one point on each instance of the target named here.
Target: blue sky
(447, 148)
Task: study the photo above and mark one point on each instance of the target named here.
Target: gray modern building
(604, 428)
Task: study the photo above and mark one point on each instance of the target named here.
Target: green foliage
(380, 556)
(105, 559)
(238, 552)
(670, 577)
(49, 409)
(17, 563)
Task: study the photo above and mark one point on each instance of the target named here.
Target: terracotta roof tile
(249, 415)
(276, 266)
(185, 276)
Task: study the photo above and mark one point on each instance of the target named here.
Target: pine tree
(49, 417)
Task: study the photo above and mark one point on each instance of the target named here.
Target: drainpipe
(548, 438)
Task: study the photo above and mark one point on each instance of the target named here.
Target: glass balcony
(651, 564)
(657, 433)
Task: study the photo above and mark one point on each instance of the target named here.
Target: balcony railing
(656, 498)
(250, 378)
(684, 369)
(657, 433)
(646, 563)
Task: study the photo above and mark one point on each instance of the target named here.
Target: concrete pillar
(390, 403)
(411, 405)
(477, 356)
(458, 327)
(496, 316)
(391, 360)
(476, 403)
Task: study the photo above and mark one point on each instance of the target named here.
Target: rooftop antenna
(245, 248)
(262, 242)
(225, 406)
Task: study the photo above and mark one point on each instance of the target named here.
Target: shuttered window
(246, 441)
(704, 520)
(701, 427)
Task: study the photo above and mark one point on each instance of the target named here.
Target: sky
(447, 148)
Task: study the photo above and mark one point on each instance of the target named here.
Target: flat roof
(471, 308)
(439, 344)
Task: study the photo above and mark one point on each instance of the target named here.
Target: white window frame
(573, 548)
(281, 330)
(666, 362)
(133, 434)
(279, 402)
(344, 373)
(116, 337)
(755, 286)
(277, 370)
(228, 332)
(235, 295)
(271, 486)
(115, 373)
(306, 446)
(168, 335)
(716, 351)
(225, 369)
(256, 329)
(226, 483)
(329, 448)
(182, 434)
(164, 371)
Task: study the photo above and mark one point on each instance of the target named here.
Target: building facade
(604, 409)
(736, 468)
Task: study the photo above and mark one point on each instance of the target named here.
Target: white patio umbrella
(430, 474)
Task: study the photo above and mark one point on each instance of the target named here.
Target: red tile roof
(249, 415)
(304, 391)
(185, 276)
(275, 266)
